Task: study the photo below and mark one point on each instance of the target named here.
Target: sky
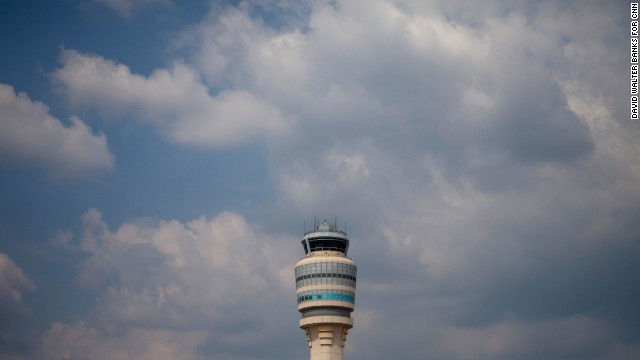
(160, 161)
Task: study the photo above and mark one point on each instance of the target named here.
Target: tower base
(326, 336)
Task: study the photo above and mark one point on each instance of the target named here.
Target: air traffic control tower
(326, 289)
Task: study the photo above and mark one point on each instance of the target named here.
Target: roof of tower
(325, 229)
(325, 237)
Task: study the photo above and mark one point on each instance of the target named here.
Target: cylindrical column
(326, 341)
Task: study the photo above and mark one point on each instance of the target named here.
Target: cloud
(125, 8)
(30, 134)
(478, 152)
(513, 338)
(402, 72)
(174, 100)
(80, 341)
(482, 150)
(195, 283)
(14, 284)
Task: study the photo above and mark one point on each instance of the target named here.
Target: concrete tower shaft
(326, 288)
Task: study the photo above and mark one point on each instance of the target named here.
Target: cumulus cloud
(196, 283)
(403, 72)
(481, 152)
(14, 284)
(174, 100)
(30, 134)
(476, 147)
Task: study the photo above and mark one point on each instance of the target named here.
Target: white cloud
(306, 182)
(189, 282)
(348, 169)
(14, 283)
(30, 134)
(387, 77)
(174, 100)
(475, 145)
(489, 183)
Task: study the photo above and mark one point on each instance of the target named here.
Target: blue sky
(158, 160)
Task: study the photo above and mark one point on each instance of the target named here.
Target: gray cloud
(488, 176)
(481, 167)
(81, 341)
